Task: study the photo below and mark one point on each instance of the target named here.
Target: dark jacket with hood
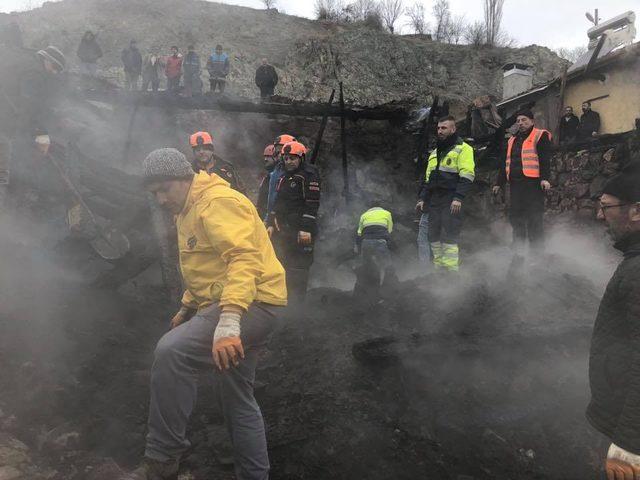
(132, 60)
(266, 76)
(89, 51)
(614, 359)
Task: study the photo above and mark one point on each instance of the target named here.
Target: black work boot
(154, 470)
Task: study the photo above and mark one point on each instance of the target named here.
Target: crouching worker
(373, 244)
(234, 288)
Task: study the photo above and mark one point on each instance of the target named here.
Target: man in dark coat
(191, 69)
(569, 124)
(132, 61)
(30, 85)
(589, 122)
(614, 358)
(266, 79)
(527, 169)
(89, 52)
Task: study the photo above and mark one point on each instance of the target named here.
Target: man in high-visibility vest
(527, 169)
(373, 243)
(450, 174)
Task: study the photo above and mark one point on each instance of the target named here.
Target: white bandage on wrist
(615, 452)
(228, 326)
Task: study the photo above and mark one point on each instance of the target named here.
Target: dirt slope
(311, 56)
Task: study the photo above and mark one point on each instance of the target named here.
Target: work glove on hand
(304, 239)
(182, 316)
(622, 465)
(227, 346)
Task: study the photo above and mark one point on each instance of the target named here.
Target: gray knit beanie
(166, 164)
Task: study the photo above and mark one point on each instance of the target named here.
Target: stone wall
(579, 176)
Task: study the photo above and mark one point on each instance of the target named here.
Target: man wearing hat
(614, 358)
(234, 288)
(527, 170)
(27, 89)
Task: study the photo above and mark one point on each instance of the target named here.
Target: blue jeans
(424, 247)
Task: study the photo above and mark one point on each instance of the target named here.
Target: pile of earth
(481, 376)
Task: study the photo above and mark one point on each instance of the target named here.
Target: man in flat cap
(527, 169)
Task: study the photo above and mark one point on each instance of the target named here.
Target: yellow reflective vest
(375, 217)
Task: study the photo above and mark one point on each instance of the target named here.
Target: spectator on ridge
(191, 67)
(151, 72)
(218, 67)
(132, 61)
(266, 79)
(89, 52)
(173, 70)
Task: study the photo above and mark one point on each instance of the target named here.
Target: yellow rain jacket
(225, 252)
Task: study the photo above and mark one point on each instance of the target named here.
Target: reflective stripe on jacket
(455, 171)
(378, 217)
(529, 155)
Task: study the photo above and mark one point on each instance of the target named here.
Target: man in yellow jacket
(234, 286)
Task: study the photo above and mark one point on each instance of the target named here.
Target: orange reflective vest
(529, 155)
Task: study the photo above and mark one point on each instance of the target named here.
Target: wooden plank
(343, 136)
(240, 105)
(323, 125)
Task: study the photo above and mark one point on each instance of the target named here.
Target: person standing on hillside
(234, 293)
(191, 67)
(132, 61)
(173, 70)
(527, 168)
(151, 69)
(89, 52)
(614, 356)
(218, 66)
(266, 79)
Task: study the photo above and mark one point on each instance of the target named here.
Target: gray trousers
(183, 353)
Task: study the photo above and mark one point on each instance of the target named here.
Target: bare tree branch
(571, 54)
(417, 18)
(492, 20)
(442, 16)
(269, 4)
(390, 11)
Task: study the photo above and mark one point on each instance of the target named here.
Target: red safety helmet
(200, 139)
(269, 150)
(284, 139)
(294, 148)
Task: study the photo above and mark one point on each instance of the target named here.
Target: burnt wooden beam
(240, 105)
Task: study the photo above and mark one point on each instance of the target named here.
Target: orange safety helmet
(269, 150)
(294, 148)
(199, 139)
(284, 139)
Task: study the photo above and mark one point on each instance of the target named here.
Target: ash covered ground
(479, 376)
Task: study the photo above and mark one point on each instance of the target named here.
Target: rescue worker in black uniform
(293, 221)
(204, 158)
(262, 204)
